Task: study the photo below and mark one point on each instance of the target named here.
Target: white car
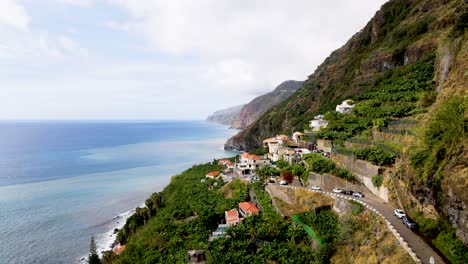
(315, 187)
(399, 213)
(283, 182)
(358, 194)
(337, 190)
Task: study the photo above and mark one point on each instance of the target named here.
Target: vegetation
(93, 257)
(397, 94)
(267, 171)
(377, 180)
(260, 151)
(376, 155)
(320, 164)
(440, 140)
(182, 216)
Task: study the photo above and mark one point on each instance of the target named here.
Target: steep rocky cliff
(225, 116)
(258, 106)
(432, 176)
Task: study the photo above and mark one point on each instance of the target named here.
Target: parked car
(358, 194)
(283, 182)
(409, 222)
(337, 190)
(399, 213)
(348, 192)
(315, 187)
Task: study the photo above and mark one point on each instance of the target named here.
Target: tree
(287, 176)
(93, 257)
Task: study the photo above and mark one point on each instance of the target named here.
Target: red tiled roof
(249, 207)
(212, 174)
(118, 248)
(246, 155)
(232, 216)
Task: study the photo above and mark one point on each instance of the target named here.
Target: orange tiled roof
(118, 248)
(212, 174)
(246, 155)
(232, 216)
(249, 207)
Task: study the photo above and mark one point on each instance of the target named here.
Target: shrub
(377, 180)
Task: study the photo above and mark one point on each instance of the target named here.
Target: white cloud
(13, 14)
(81, 3)
(249, 44)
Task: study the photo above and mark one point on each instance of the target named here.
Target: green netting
(307, 228)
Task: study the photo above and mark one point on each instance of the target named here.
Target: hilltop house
(248, 163)
(318, 123)
(212, 174)
(345, 107)
(247, 209)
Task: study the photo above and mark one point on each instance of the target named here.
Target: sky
(160, 60)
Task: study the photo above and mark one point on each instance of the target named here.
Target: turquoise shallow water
(62, 182)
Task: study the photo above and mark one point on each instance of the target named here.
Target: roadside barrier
(392, 229)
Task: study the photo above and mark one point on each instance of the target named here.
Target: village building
(317, 123)
(196, 256)
(212, 174)
(247, 209)
(248, 163)
(297, 136)
(345, 107)
(232, 217)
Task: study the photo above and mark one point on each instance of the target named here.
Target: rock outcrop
(258, 106)
(225, 116)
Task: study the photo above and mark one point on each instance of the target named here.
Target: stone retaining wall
(364, 170)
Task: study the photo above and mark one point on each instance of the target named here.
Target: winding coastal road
(423, 251)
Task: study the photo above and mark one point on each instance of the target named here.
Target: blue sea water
(62, 182)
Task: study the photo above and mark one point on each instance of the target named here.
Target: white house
(297, 136)
(248, 163)
(318, 123)
(345, 107)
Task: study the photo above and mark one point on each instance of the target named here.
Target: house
(247, 209)
(297, 136)
(268, 141)
(248, 163)
(118, 249)
(282, 139)
(318, 123)
(196, 256)
(232, 217)
(212, 174)
(225, 162)
(345, 107)
(290, 156)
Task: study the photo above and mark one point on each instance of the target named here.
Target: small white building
(297, 136)
(345, 107)
(318, 123)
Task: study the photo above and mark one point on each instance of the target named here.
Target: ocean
(63, 182)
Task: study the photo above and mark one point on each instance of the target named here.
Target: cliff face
(402, 33)
(255, 108)
(226, 116)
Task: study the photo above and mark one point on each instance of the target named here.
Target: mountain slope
(225, 116)
(401, 33)
(255, 108)
(409, 62)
